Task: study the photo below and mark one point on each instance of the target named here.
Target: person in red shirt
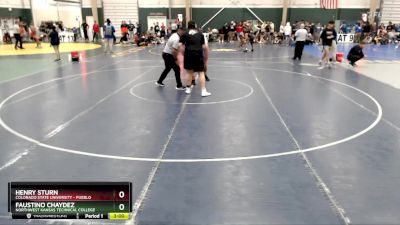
(124, 32)
(35, 36)
(96, 31)
(240, 33)
(162, 32)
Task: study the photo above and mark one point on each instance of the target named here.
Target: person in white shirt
(272, 25)
(288, 32)
(18, 34)
(170, 56)
(282, 29)
(301, 36)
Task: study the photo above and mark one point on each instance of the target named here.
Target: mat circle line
(251, 91)
(188, 160)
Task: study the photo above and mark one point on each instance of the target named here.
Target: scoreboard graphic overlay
(70, 200)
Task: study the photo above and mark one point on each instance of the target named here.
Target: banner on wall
(345, 38)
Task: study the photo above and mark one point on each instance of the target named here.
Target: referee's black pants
(170, 63)
(298, 51)
(18, 39)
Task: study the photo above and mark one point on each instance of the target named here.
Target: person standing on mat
(170, 56)
(301, 36)
(205, 66)
(109, 31)
(195, 57)
(96, 31)
(55, 42)
(85, 28)
(328, 36)
(19, 31)
(288, 33)
(131, 29)
(35, 36)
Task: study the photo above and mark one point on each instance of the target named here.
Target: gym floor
(277, 142)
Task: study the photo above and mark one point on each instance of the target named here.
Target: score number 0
(121, 194)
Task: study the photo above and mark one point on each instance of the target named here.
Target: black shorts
(194, 60)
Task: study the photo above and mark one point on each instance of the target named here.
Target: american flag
(329, 4)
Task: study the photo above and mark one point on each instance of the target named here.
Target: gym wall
(271, 10)
(203, 10)
(87, 10)
(50, 10)
(19, 9)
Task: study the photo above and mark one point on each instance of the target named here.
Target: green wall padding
(24, 14)
(351, 15)
(88, 12)
(324, 15)
(311, 14)
(202, 15)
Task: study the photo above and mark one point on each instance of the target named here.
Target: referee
(169, 55)
(301, 37)
(195, 57)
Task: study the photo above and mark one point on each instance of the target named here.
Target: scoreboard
(70, 200)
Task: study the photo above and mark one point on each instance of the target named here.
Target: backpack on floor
(75, 56)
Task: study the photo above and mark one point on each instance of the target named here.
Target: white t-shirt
(173, 43)
(288, 30)
(16, 29)
(301, 35)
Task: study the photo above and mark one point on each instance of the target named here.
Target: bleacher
(390, 11)
(121, 10)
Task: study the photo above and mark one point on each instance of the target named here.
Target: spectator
(131, 28)
(124, 32)
(317, 32)
(156, 29)
(85, 28)
(76, 33)
(162, 31)
(343, 28)
(138, 29)
(55, 42)
(226, 31)
(358, 33)
(221, 34)
(288, 32)
(366, 29)
(35, 36)
(109, 31)
(231, 33)
(96, 31)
